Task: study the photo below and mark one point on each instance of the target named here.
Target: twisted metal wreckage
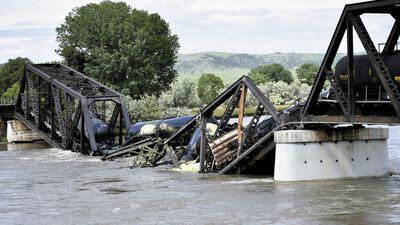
(218, 145)
(72, 111)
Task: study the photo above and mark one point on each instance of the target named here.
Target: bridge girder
(60, 103)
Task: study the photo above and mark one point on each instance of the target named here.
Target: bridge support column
(339, 153)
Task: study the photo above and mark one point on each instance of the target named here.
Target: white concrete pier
(19, 132)
(314, 155)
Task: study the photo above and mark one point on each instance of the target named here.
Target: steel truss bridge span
(65, 107)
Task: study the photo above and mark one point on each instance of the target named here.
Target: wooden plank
(240, 118)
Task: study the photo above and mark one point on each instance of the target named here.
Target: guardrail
(8, 101)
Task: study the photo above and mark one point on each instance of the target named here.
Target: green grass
(228, 76)
(3, 139)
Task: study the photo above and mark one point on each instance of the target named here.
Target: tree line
(276, 82)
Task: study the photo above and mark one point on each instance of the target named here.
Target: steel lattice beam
(55, 99)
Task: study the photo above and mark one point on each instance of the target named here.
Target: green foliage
(228, 76)
(11, 72)
(3, 139)
(280, 93)
(12, 92)
(181, 95)
(270, 73)
(128, 49)
(146, 108)
(177, 111)
(209, 87)
(150, 107)
(306, 73)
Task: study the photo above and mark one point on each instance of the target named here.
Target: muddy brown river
(42, 185)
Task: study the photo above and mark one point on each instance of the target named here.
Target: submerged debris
(213, 144)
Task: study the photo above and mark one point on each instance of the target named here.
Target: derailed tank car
(103, 134)
(145, 141)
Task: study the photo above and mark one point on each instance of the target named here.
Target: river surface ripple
(48, 186)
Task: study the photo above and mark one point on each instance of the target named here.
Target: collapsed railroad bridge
(72, 111)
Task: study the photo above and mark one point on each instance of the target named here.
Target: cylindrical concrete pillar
(338, 153)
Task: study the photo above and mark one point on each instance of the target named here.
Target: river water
(41, 185)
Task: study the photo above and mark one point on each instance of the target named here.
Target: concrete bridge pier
(338, 153)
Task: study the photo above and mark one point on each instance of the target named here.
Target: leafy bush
(281, 93)
(177, 101)
(12, 92)
(181, 95)
(11, 72)
(146, 108)
(270, 73)
(209, 87)
(306, 73)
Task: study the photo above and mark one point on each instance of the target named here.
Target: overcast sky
(27, 27)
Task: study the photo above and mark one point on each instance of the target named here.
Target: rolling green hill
(230, 66)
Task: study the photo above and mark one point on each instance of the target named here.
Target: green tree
(209, 87)
(11, 72)
(270, 73)
(128, 49)
(12, 92)
(306, 73)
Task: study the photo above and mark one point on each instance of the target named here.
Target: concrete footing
(19, 132)
(313, 155)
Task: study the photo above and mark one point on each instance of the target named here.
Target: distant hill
(230, 66)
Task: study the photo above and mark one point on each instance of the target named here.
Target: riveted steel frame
(58, 102)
